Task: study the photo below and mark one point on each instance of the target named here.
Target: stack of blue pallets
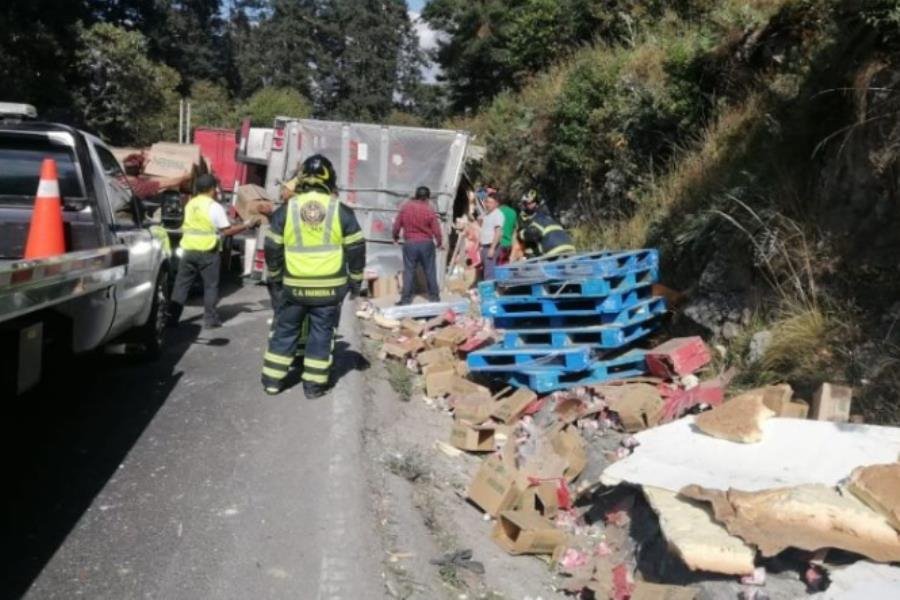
(570, 321)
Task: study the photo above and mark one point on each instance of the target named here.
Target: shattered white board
(792, 452)
(862, 580)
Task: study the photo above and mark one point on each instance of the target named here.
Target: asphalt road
(182, 480)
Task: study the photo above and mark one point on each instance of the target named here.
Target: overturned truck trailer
(379, 167)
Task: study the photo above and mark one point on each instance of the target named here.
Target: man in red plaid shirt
(421, 235)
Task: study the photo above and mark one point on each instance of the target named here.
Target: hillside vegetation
(756, 145)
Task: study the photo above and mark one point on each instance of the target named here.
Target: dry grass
(695, 174)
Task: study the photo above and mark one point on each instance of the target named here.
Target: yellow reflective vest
(198, 231)
(314, 245)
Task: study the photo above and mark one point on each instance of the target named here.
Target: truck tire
(151, 335)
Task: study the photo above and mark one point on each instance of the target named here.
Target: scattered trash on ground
(598, 454)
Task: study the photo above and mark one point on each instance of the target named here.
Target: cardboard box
(495, 487)
(386, 285)
(449, 337)
(569, 444)
(173, 160)
(638, 405)
(798, 409)
(435, 355)
(441, 367)
(439, 384)
(777, 397)
(462, 368)
(252, 202)
(412, 327)
(525, 532)
(541, 499)
(832, 403)
(401, 348)
(474, 438)
(512, 407)
(473, 409)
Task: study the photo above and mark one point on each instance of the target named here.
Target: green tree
(127, 98)
(38, 40)
(270, 102)
(211, 106)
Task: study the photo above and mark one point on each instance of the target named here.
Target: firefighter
(315, 253)
(539, 232)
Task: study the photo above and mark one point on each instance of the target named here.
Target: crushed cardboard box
(653, 591)
(695, 536)
(495, 487)
(809, 517)
(511, 408)
(737, 420)
(435, 355)
(542, 498)
(526, 532)
(252, 201)
(474, 409)
(639, 405)
(403, 347)
(449, 337)
(879, 487)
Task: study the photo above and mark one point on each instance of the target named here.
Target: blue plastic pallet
(547, 380)
(596, 264)
(571, 288)
(521, 307)
(581, 319)
(499, 359)
(633, 325)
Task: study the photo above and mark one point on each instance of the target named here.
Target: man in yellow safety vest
(204, 222)
(315, 252)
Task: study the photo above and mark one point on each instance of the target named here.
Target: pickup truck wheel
(152, 334)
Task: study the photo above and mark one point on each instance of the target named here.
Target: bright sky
(415, 5)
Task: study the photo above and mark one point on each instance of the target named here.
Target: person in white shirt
(205, 223)
(491, 234)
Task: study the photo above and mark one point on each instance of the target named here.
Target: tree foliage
(270, 102)
(210, 105)
(127, 98)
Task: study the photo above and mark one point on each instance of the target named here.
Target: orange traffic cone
(45, 235)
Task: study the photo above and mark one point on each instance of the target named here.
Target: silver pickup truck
(112, 283)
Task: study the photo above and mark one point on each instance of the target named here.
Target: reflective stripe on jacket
(544, 236)
(198, 231)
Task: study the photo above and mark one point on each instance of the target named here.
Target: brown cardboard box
(385, 285)
(464, 387)
(832, 403)
(441, 367)
(440, 383)
(541, 498)
(449, 337)
(639, 405)
(525, 532)
(435, 355)
(172, 160)
(401, 348)
(252, 202)
(777, 397)
(512, 407)
(495, 487)
(412, 327)
(473, 409)
(569, 444)
(474, 438)
(654, 591)
(798, 409)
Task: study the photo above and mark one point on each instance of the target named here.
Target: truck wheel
(151, 335)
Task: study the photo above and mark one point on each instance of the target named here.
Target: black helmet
(205, 183)
(423, 193)
(317, 171)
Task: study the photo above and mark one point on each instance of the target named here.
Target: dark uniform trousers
(206, 265)
(300, 329)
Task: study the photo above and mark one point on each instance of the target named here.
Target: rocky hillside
(756, 145)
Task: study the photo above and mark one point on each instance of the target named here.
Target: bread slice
(737, 420)
(879, 487)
